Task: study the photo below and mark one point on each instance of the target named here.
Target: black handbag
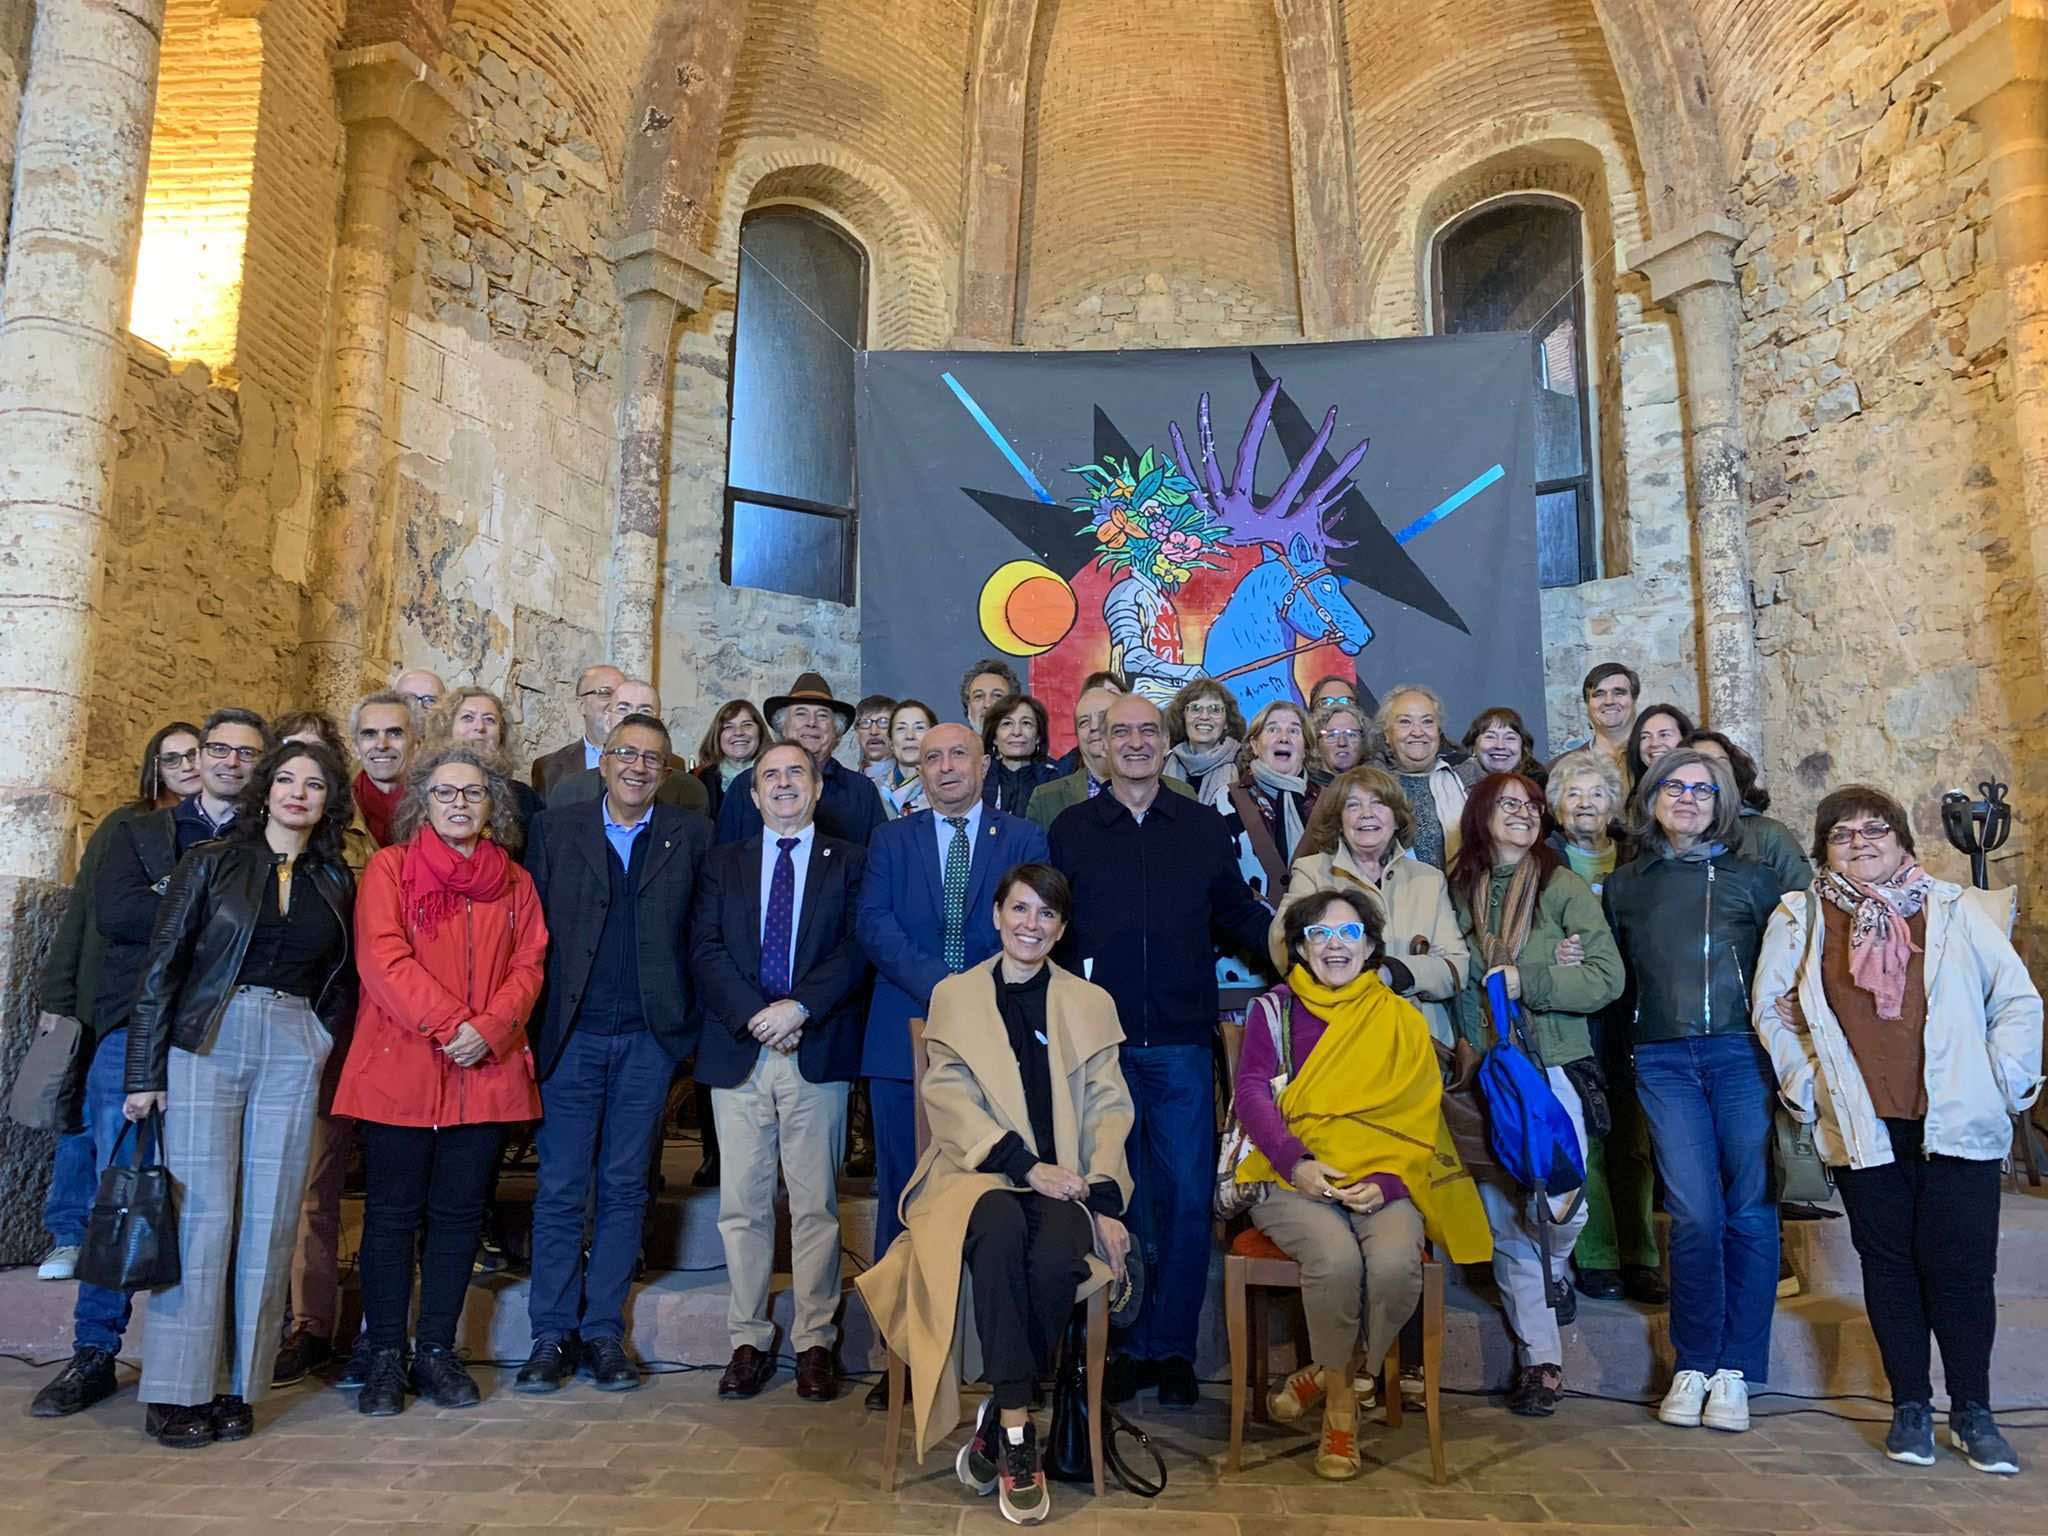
(1066, 1441)
(131, 1238)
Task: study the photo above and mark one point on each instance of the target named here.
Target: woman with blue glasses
(1689, 914)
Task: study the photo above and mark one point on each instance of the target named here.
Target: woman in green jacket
(1517, 904)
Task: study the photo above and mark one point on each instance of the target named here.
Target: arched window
(790, 493)
(1515, 266)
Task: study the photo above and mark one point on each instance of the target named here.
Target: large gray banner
(1261, 515)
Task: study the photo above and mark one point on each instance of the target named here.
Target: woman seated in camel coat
(1013, 1211)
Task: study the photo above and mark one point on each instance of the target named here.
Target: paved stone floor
(671, 1457)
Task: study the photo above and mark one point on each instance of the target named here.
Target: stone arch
(911, 295)
(1582, 162)
(1662, 68)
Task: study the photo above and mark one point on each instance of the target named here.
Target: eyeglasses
(872, 722)
(1514, 805)
(1869, 832)
(448, 794)
(1702, 793)
(1206, 708)
(1330, 735)
(220, 752)
(178, 759)
(627, 756)
(1334, 698)
(596, 693)
(1322, 933)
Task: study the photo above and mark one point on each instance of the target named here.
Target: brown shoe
(816, 1379)
(747, 1373)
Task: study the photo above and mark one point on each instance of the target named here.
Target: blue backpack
(1531, 1135)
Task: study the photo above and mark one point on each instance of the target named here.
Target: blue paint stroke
(1449, 504)
(1002, 443)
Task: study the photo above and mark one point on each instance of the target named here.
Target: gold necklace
(284, 885)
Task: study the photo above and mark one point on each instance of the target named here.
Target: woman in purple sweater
(1338, 1089)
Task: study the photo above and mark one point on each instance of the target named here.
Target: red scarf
(435, 879)
(378, 807)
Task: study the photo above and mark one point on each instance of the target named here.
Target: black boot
(440, 1378)
(88, 1379)
(383, 1391)
(178, 1426)
(233, 1419)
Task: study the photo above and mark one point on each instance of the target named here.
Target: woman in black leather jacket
(248, 980)
(1689, 913)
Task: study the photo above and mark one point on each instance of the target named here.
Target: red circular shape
(1041, 610)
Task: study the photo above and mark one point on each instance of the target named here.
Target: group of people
(293, 940)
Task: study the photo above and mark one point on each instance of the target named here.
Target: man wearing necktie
(784, 987)
(927, 910)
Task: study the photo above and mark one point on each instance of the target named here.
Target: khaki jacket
(973, 1096)
(1416, 902)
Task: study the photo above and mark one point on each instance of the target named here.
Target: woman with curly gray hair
(1206, 728)
(449, 944)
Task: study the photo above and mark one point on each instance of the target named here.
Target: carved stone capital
(388, 85)
(650, 261)
(1689, 258)
(2007, 45)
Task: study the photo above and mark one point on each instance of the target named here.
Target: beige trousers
(1353, 1268)
(777, 1119)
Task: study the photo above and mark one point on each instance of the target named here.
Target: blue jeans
(1173, 1169)
(600, 1112)
(893, 1103)
(1709, 1102)
(99, 1317)
(73, 1183)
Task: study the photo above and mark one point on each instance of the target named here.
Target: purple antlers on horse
(1280, 518)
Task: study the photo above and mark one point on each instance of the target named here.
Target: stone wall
(503, 369)
(1897, 626)
(1158, 309)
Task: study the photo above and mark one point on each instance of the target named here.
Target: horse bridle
(1299, 587)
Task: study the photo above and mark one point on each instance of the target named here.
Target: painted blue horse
(1289, 599)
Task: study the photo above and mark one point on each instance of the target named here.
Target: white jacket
(1983, 1036)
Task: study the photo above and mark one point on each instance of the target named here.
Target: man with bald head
(1154, 875)
(633, 696)
(927, 909)
(595, 688)
(422, 689)
(1091, 742)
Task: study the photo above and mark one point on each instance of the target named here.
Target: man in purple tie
(783, 983)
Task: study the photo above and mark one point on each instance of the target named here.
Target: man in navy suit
(784, 989)
(616, 877)
(927, 909)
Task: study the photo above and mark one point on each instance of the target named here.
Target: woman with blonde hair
(477, 717)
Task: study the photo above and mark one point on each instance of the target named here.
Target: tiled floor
(671, 1457)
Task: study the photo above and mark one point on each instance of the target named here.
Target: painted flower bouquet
(1144, 519)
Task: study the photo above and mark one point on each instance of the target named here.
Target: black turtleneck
(1022, 1006)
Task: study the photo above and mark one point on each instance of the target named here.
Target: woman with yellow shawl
(1348, 1141)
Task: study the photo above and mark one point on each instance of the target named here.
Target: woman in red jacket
(450, 944)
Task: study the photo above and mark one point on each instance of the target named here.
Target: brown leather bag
(1465, 1111)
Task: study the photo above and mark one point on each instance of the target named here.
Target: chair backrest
(917, 1064)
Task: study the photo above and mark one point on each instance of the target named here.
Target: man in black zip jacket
(137, 866)
(1154, 875)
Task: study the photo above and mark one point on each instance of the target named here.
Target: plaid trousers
(238, 1133)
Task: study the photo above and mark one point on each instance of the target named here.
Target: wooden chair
(899, 1375)
(1255, 1263)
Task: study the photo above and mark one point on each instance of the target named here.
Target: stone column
(1326, 247)
(395, 110)
(992, 210)
(1995, 72)
(659, 282)
(1692, 272)
(82, 160)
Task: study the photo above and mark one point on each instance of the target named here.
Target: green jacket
(1057, 795)
(1768, 841)
(1556, 999)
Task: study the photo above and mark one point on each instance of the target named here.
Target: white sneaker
(1681, 1405)
(61, 1263)
(1727, 1402)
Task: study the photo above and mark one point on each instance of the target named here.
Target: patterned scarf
(1880, 940)
(1288, 789)
(435, 880)
(1503, 945)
